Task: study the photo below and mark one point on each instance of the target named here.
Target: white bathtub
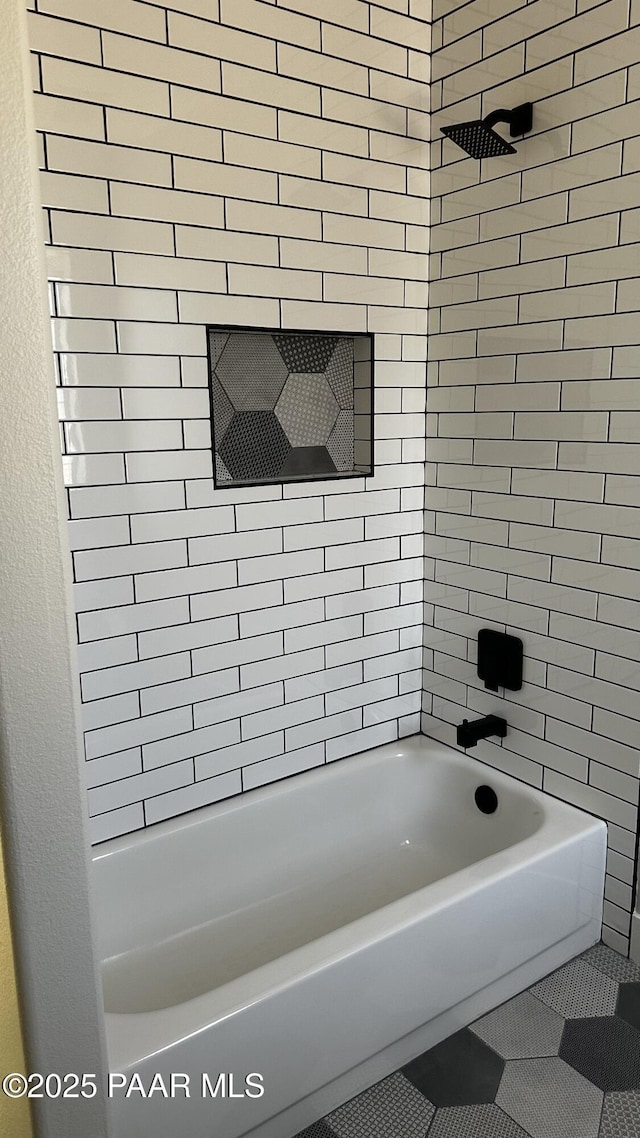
(323, 931)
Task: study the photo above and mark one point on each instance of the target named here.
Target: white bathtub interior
(307, 927)
(231, 898)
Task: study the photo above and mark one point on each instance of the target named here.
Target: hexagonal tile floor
(561, 1060)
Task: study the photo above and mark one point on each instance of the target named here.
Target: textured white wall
(533, 460)
(44, 830)
(259, 164)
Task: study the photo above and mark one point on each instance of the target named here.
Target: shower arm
(520, 119)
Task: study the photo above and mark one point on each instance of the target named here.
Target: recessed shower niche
(290, 406)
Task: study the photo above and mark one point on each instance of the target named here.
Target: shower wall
(258, 164)
(533, 460)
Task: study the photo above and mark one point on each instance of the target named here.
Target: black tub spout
(468, 734)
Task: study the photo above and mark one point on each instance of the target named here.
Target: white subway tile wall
(266, 164)
(254, 163)
(533, 462)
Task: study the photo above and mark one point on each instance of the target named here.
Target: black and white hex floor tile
(561, 1060)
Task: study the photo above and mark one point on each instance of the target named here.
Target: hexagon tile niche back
(289, 405)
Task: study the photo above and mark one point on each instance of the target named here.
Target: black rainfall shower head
(478, 139)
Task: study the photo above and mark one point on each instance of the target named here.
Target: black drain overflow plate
(486, 799)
